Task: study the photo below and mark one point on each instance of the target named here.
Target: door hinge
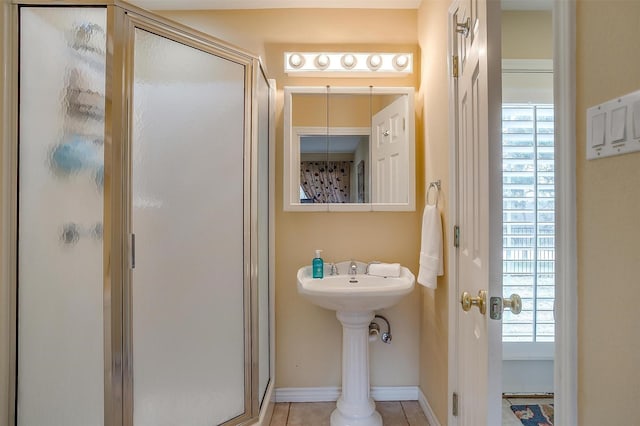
(454, 66)
(454, 404)
(404, 123)
(456, 236)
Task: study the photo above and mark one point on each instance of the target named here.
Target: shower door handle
(133, 251)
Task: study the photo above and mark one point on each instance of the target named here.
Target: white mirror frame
(291, 175)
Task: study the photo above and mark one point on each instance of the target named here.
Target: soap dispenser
(318, 265)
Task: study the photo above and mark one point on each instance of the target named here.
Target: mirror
(349, 149)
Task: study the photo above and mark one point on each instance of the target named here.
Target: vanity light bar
(370, 64)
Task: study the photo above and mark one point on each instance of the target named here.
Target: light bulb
(322, 61)
(296, 60)
(374, 62)
(401, 61)
(348, 61)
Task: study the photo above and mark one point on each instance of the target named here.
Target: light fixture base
(348, 64)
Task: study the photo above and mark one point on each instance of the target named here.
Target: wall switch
(636, 119)
(613, 127)
(597, 129)
(619, 124)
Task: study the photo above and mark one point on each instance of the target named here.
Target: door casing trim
(566, 310)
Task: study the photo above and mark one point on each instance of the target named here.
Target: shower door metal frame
(122, 19)
(9, 203)
(259, 72)
(132, 19)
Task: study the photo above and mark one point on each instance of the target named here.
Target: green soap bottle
(317, 265)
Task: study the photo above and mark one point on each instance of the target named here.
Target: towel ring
(435, 185)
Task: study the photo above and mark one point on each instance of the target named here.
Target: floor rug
(534, 414)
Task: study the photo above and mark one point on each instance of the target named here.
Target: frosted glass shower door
(60, 338)
(188, 217)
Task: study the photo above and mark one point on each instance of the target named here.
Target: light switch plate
(613, 127)
(636, 119)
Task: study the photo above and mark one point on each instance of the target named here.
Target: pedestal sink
(355, 298)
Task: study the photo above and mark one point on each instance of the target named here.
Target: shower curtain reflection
(326, 181)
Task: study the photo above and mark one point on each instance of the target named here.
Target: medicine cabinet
(349, 149)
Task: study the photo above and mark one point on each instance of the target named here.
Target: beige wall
(344, 111)
(432, 37)
(608, 229)
(253, 29)
(308, 338)
(527, 34)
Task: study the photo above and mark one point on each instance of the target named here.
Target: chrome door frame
(9, 210)
(133, 19)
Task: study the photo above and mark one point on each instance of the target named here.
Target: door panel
(478, 257)
(390, 150)
(188, 306)
(60, 344)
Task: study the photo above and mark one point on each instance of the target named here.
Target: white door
(389, 152)
(479, 206)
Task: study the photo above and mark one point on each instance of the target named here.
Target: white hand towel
(431, 264)
(385, 269)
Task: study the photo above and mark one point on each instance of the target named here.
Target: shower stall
(141, 221)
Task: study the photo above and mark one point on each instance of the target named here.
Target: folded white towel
(431, 248)
(385, 269)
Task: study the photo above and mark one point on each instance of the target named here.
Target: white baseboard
(307, 394)
(394, 393)
(378, 393)
(428, 411)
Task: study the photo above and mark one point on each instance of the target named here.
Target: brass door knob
(513, 303)
(467, 301)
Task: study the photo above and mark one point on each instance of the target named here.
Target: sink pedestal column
(355, 407)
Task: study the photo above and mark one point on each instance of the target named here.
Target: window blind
(529, 220)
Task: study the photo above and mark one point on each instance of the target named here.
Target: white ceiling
(274, 4)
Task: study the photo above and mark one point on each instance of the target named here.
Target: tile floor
(394, 413)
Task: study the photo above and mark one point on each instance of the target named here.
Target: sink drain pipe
(374, 330)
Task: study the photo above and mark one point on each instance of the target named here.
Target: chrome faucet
(333, 269)
(353, 268)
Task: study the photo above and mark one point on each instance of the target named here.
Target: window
(303, 196)
(528, 220)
